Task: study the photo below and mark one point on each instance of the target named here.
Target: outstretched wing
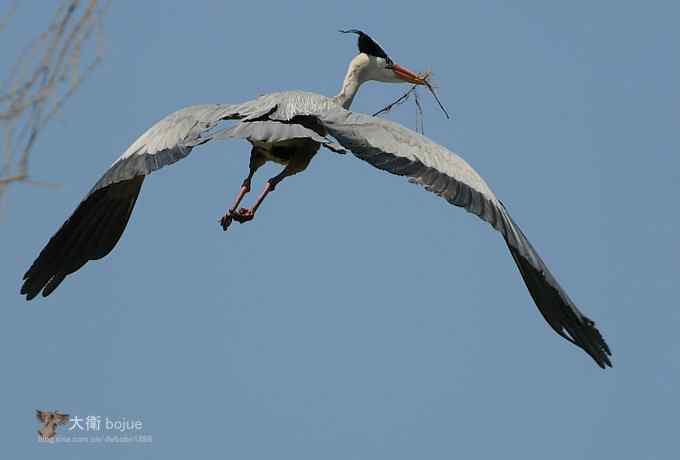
(98, 222)
(398, 150)
(42, 416)
(61, 419)
(100, 219)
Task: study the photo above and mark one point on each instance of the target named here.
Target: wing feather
(98, 222)
(173, 138)
(89, 234)
(273, 131)
(398, 150)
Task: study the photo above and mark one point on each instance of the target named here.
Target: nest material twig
(413, 90)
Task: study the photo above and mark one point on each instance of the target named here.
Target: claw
(225, 221)
(242, 215)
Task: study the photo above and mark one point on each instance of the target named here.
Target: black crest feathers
(368, 45)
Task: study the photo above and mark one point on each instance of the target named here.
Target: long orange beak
(407, 75)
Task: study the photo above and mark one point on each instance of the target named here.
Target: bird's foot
(243, 215)
(225, 221)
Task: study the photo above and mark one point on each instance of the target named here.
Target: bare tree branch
(47, 72)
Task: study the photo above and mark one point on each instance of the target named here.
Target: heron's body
(290, 128)
(282, 152)
(299, 150)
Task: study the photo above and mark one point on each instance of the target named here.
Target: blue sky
(359, 317)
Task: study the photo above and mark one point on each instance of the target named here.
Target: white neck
(353, 81)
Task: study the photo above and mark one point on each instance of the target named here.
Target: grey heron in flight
(289, 128)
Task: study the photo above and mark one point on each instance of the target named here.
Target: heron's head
(372, 63)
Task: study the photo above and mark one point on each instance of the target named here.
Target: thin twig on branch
(47, 72)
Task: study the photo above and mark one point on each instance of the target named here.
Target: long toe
(225, 221)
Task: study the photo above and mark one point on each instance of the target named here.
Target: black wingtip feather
(559, 312)
(90, 233)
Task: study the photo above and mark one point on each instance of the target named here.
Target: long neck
(350, 85)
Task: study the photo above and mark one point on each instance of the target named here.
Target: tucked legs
(298, 162)
(256, 161)
(245, 214)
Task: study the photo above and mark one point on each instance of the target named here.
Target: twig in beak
(420, 119)
(429, 86)
(399, 101)
(426, 76)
